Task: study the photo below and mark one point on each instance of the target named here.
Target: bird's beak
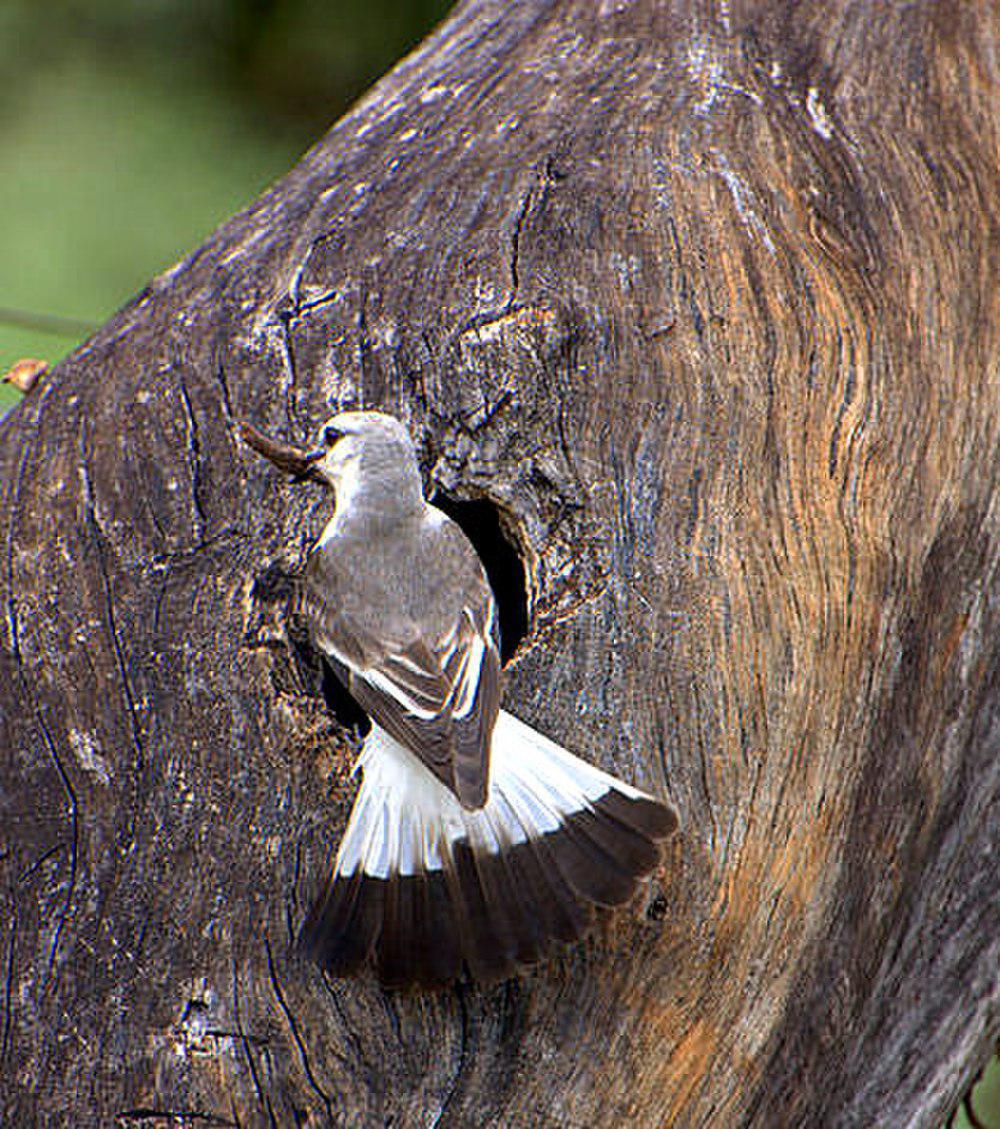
(299, 464)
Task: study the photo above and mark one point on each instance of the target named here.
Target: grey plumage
(398, 601)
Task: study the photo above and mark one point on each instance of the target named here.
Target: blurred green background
(985, 1100)
(129, 129)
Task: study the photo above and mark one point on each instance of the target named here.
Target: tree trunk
(702, 298)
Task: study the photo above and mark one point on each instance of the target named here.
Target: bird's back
(399, 582)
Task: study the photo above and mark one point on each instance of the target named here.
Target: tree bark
(703, 299)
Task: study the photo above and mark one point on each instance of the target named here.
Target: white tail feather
(426, 886)
(534, 785)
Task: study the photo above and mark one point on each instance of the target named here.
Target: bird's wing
(438, 696)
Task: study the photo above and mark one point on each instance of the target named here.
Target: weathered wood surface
(705, 298)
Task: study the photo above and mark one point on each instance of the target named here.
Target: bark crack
(74, 842)
(292, 904)
(293, 1027)
(292, 311)
(300, 270)
(40, 861)
(515, 249)
(9, 981)
(265, 1102)
(327, 298)
(364, 343)
(456, 1082)
(220, 376)
(349, 1031)
(285, 319)
(98, 539)
(194, 451)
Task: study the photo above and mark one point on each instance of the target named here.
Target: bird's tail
(423, 884)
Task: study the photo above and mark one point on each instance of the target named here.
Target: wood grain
(704, 298)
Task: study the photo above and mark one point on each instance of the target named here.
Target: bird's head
(352, 449)
(355, 445)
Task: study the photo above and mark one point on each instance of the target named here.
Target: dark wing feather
(437, 696)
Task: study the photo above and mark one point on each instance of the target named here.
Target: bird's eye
(331, 435)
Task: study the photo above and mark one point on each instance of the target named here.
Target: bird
(475, 842)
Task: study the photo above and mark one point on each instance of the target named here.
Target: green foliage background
(130, 128)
